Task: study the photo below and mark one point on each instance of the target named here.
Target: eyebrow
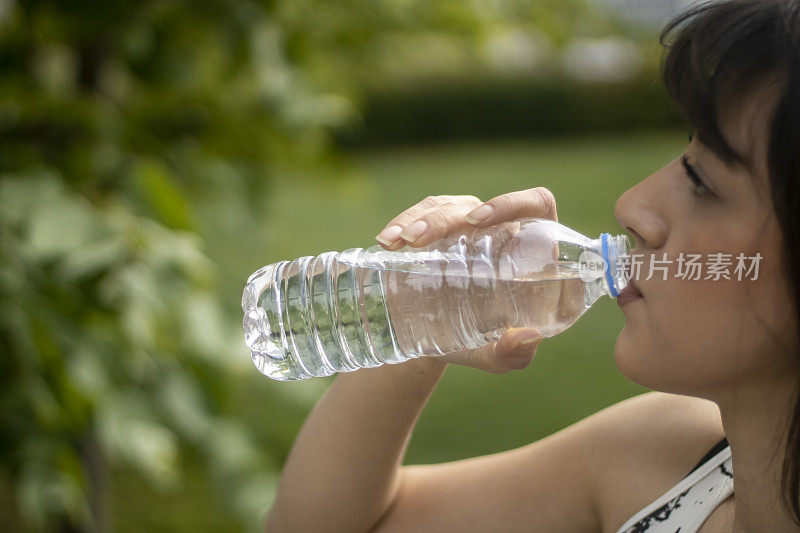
(727, 154)
(735, 157)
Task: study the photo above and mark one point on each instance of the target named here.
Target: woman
(722, 354)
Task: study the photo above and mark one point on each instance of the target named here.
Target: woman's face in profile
(701, 337)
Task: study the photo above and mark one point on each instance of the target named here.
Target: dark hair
(721, 49)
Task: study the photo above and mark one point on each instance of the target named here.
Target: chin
(645, 366)
(658, 370)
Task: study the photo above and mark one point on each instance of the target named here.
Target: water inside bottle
(317, 316)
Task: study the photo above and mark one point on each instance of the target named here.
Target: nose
(642, 210)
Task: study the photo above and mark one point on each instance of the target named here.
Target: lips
(633, 288)
(629, 294)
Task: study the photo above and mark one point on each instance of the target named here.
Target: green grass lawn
(471, 412)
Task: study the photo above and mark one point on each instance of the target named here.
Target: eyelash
(699, 188)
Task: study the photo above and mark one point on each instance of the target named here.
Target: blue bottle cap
(612, 289)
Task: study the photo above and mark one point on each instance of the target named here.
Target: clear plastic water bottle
(359, 308)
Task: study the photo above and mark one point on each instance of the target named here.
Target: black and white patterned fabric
(685, 507)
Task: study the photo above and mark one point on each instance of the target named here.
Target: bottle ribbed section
(316, 316)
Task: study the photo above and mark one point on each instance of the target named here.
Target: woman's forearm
(342, 471)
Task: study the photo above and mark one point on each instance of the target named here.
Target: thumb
(513, 351)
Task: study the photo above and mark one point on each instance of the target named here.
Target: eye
(699, 188)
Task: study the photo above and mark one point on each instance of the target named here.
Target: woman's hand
(436, 217)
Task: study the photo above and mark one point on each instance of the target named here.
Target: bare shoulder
(658, 420)
(590, 476)
(645, 445)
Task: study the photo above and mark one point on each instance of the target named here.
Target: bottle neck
(614, 251)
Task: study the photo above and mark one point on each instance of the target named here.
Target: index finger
(537, 202)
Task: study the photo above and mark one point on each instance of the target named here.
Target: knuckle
(472, 359)
(431, 201)
(439, 220)
(476, 358)
(546, 198)
(502, 202)
(495, 365)
(538, 200)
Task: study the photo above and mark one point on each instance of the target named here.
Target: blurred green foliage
(117, 120)
(151, 156)
(114, 348)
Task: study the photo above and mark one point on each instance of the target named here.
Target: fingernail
(528, 342)
(479, 214)
(414, 231)
(389, 235)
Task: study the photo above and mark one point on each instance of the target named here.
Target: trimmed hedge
(482, 108)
